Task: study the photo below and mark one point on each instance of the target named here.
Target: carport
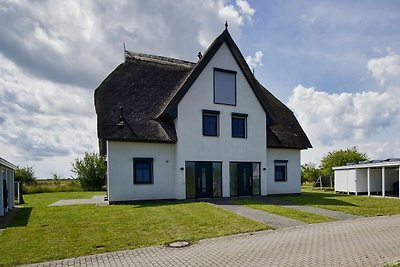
(7, 170)
(375, 176)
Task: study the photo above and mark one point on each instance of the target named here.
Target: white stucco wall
(193, 146)
(345, 180)
(120, 167)
(7, 174)
(293, 183)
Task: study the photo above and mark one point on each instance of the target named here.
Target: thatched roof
(150, 87)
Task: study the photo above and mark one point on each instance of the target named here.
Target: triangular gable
(224, 37)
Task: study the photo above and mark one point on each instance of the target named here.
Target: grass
(303, 216)
(358, 205)
(51, 185)
(41, 233)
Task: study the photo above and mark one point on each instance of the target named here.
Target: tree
(340, 158)
(25, 175)
(309, 172)
(90, 171)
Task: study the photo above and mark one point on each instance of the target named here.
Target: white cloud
(386, 70)
(330, 118)
(368, 120)
(245, 9)
(256, 60)
(53, 54)
(41, 120)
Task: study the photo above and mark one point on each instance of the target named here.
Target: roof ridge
(129, 55)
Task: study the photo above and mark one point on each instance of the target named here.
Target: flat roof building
(370, 177)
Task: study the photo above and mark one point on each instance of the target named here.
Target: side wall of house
(120, 157)
(193, 146)
(293, 183)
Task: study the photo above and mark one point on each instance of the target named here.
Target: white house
(173, 129)
(7, 170)
(375, 176)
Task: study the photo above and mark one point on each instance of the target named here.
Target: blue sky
(336, 64)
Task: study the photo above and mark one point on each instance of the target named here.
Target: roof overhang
(392, 164)
(7, 164)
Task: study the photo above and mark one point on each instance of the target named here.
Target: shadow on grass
(21, 218)
(315, 198)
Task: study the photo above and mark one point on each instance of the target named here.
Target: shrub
(26, 175)
(50, 185)
(341, 158)
(309, 172)
(90, 171)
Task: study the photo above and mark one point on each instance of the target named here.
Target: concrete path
(98, 200)
(271, 219)
(330, 213)
(360, 242)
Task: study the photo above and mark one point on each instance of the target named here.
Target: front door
(204, 182)
(244, 172)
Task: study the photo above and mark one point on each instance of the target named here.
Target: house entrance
(244, 178)
(244, 170)
(203, 179)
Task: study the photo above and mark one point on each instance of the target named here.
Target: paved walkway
(360, 242)
(330, 213)
(271, 219)
(98, 200)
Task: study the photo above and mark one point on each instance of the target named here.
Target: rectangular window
(224, 87)
(210, 122)
(239, 125)
(281, 170)
(143, 170)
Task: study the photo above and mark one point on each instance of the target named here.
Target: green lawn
(283, 211)
(358, 205)
(41, 233)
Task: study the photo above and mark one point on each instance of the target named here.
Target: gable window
(210, 122)
(224, 87)
(143, 170)
(239, 125)
(281, 170)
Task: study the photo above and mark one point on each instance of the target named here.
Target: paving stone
(360, 242)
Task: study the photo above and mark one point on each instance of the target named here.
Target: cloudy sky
(336, 64)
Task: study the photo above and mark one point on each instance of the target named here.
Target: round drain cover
(179, 244)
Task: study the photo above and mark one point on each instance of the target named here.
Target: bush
(90, 171)
(341, 158)
(309, 173)
(26, 175)
(46, 186)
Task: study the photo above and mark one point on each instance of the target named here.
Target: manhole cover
(179, 244)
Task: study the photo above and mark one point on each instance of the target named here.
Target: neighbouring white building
(173, 129)
(7, 170)
(369, 177)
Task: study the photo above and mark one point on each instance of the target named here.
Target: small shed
(7, 171)
(367, 177)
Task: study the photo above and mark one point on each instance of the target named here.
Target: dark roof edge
(288, 147)
(141, 140)
(202, 63)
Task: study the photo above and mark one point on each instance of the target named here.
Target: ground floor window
(143, 170)
(281, 170)
(244, 178)
(203, 179)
